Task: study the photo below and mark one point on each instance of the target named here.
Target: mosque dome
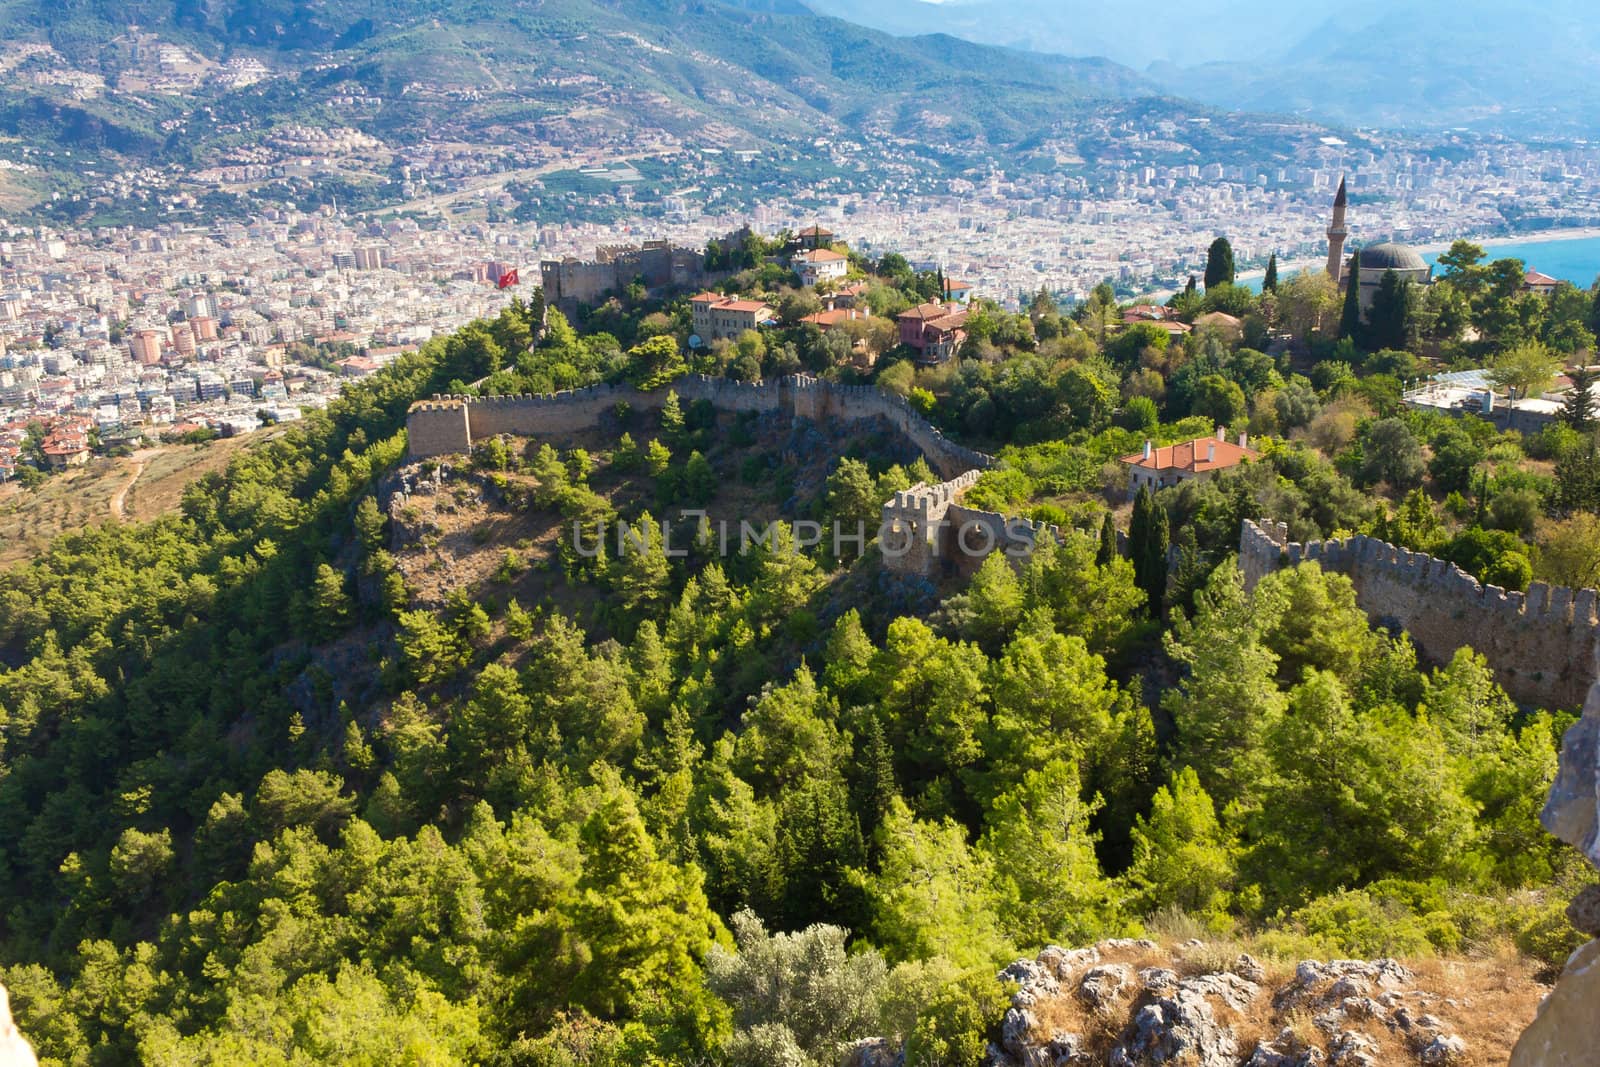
(1391, 256)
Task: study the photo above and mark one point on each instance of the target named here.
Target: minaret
(1336, 235)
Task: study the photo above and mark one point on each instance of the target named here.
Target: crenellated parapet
(447, 424)
(1541, 644)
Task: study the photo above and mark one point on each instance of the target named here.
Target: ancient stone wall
(432, 432)
(437, 427)
(1542, 644)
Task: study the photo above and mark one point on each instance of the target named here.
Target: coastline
(1533, 237)
(1287, 268)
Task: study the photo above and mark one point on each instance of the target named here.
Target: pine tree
(1219, 263)
(1578, 412)
(1269, 284)
(1108, 541)
(1350, 318)
(672, 421)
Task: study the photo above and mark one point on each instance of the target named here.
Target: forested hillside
(264, 801)
(615, 77)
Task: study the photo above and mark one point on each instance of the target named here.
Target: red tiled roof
(819, 255)
(1144, 313)
(1194, 456)
(1534, 278)
(927, 312)
(825, 319)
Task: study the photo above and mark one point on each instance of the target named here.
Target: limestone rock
(1034, 982)
(14, 1048)
(1064, 963)
(1182, 1028)
(1232, 990)
(1443, 1050)
(1285, 1051)
(1159, 979)
(1352, 1048)
(1584, 911)
(1338, 980)
(1067, 1050)
(1566, 1031)
(1016, 1036)
(1572, 811)
(1249, 968)
(872, 1052)
(1102, 986)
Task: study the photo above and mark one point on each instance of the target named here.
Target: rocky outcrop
(14, 1048)
(1563, 1034)
(1566, 1032)
(1132, 1004)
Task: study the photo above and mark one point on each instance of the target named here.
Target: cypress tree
(1155, 564)
(1269, 284)
(1219, 263)
(1189, 290)
(1578, 412)
(872, 780)
(1139, 532)
(1350, 318)
(1389, 320)
(1147, 546)
(1108, 541)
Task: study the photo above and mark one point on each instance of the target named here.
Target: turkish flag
(508, 279)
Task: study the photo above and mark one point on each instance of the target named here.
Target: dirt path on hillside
(140, 458)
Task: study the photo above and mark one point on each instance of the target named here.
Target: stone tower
(1336, 235)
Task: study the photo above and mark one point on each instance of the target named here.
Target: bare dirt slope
(136, 488)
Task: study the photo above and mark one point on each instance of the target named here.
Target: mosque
(1366, 268)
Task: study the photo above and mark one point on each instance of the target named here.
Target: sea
(1576, 260)
(1573, 259)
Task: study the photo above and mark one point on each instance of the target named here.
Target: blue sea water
(1576, 261)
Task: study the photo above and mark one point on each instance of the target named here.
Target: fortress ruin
(1542, 644)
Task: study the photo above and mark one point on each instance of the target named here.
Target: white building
(819, 265)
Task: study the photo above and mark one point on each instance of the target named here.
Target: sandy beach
(1533, 238)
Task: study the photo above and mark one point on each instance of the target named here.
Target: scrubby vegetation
(259, 805)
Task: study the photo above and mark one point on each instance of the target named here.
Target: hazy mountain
(1405, 63)
(736, 74)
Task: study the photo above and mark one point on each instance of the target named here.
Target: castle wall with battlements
(452, 424)
(1542, 644)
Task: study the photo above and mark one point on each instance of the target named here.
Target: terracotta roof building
(1542, 284)
(819, 265)
(815, 237)
(716, 316)
(1166, 466)
(934, 330)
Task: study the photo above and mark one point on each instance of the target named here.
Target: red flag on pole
(508, 279)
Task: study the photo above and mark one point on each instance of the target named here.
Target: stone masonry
(449, 424)
(1542, 644)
